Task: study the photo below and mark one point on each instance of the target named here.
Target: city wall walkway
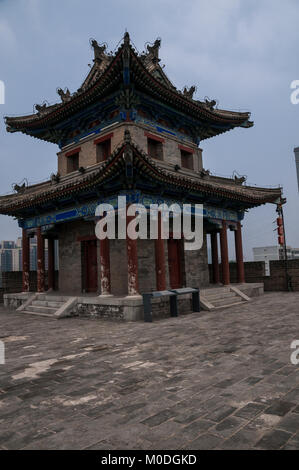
(220, 380)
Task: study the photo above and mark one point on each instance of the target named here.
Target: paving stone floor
(219, 380)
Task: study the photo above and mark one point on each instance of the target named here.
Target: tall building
(6, 255)
(11, 255)
(128, 131)
(7, 245)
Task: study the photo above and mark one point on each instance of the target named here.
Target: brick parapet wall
(12, 282)
(255, 272)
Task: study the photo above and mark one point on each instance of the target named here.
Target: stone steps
(215, 290)
(28, 312)
(218, 296)
(52, 298)
(221, 297)
(41, 309)
(224, 300)
(228, 305)
(44, 305)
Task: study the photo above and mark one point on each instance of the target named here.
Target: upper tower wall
(171, 150)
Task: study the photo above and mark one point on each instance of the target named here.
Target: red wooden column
(224, 254)
(40, 261)
(51, 264)
(132, 258)
(239, 254)
(25, 261)
(160, 258)
(105, 267)
(215, 259)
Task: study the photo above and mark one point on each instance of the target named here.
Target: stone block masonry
(196, 263)
(127, 310)
(105, 312)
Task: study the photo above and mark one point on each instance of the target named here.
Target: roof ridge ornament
(153, 50)
(64, 95)
(126, 60)
(188, 93)
(55, 178)
(239, 179)
(210, 103)
(98, 49)
(41, 108)
(126, 39)
(20, 188)
(205, 173)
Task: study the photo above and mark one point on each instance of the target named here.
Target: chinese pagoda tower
(128, 131)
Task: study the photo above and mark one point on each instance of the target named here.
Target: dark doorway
(90, 266)
(174, 263)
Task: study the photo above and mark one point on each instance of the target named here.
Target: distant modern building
(17, 255)
(16, 259)
(7, 245)
(272, 253)
(33, 254)
(6, 255)
(6, 260)
(266, 254)
(11, 255)
(296, 151)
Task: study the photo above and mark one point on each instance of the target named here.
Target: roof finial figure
(210, 103)
(65, 96)
(99, 51)
(41, 108)
(126, 39)
(154, 50)
(189, 93)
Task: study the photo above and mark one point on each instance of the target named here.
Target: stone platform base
(14, 301)
(109, 308)
(121, 308)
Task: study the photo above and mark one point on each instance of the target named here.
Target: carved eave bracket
(127, 99)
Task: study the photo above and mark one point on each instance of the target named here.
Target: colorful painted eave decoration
(48, 220)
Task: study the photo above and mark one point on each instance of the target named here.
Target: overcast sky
(244, 54)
